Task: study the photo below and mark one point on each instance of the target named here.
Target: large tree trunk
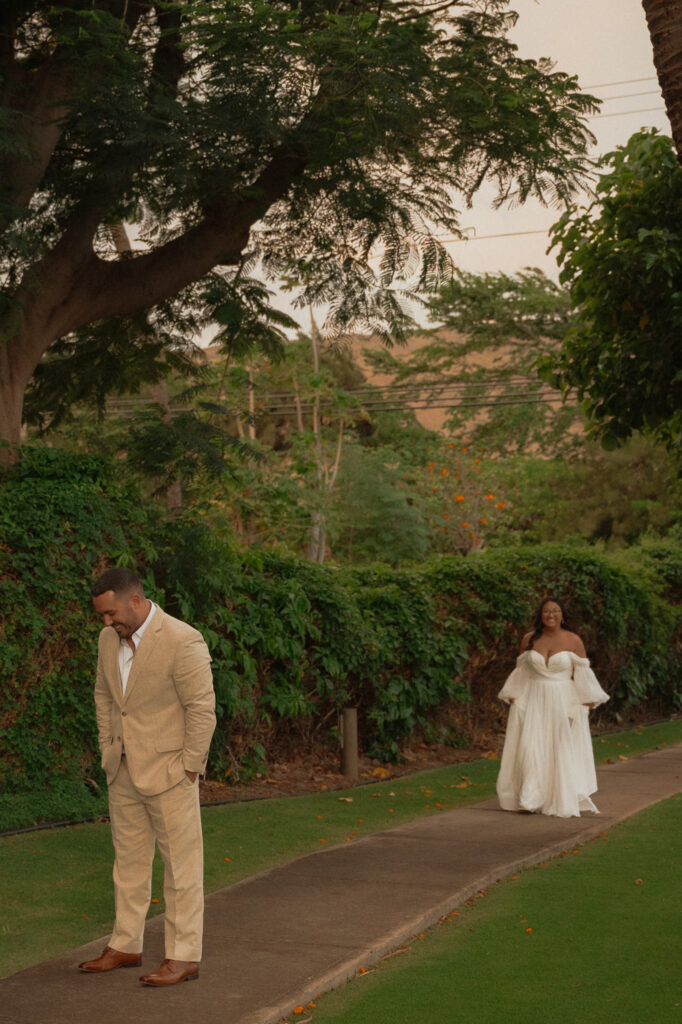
(12, 386)
(664, 18)
(71, 286)
(19, 356)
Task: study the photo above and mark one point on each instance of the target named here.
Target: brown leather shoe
(170, 972)
(109, 960)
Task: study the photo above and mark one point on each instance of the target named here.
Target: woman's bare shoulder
(575, 644)
(525, 641)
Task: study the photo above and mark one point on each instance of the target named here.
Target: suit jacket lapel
(147, 644)
(113, 671)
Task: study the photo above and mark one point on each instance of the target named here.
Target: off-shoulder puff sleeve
(517, 681)
(586, 684)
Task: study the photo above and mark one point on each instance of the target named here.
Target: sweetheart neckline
(547, 661)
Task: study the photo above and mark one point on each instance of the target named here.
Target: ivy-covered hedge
(292, 642)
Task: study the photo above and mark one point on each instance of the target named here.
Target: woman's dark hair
(537, 623)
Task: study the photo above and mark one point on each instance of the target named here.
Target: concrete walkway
(277, 940)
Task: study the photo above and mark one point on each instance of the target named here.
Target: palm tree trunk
(664, 19)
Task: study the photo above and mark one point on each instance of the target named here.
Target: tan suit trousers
(172, 820)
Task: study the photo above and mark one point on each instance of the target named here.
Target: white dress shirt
(126, 652)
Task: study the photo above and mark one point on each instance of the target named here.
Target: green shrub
(292, 642)
(61, 520)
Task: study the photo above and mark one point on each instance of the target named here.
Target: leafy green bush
(292, 642)
(62, 519)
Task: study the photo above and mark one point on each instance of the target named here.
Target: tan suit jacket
(166, 719)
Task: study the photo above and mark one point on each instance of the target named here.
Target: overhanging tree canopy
(621, 260)
(312, 135)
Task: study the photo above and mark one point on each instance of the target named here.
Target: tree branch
(431, 9)
(122, 288)
(42, 129)
(42, 95)
(169, 62)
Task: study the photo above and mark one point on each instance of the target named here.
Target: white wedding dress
(547, 761)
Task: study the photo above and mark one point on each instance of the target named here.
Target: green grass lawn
(57, 889)
(592, 937)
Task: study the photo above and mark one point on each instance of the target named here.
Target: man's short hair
(121, 581)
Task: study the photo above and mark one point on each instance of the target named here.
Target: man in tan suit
(155, 716)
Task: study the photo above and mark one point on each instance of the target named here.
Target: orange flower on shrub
(500, 504)
(459, 497)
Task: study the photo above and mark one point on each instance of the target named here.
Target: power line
(505, 234)
(394, 405)
(631, 95)
(465, 385)
(485, 394)
(621, 113)
(628, 81)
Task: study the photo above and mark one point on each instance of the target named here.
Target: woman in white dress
(547, 762)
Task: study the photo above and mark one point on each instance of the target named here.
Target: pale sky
(603, 42)
(606, 44)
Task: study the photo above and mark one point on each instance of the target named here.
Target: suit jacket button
(123, 714)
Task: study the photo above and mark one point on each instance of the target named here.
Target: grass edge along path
(57, 889)
(590, 936)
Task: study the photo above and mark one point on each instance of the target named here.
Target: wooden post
(349, 743)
